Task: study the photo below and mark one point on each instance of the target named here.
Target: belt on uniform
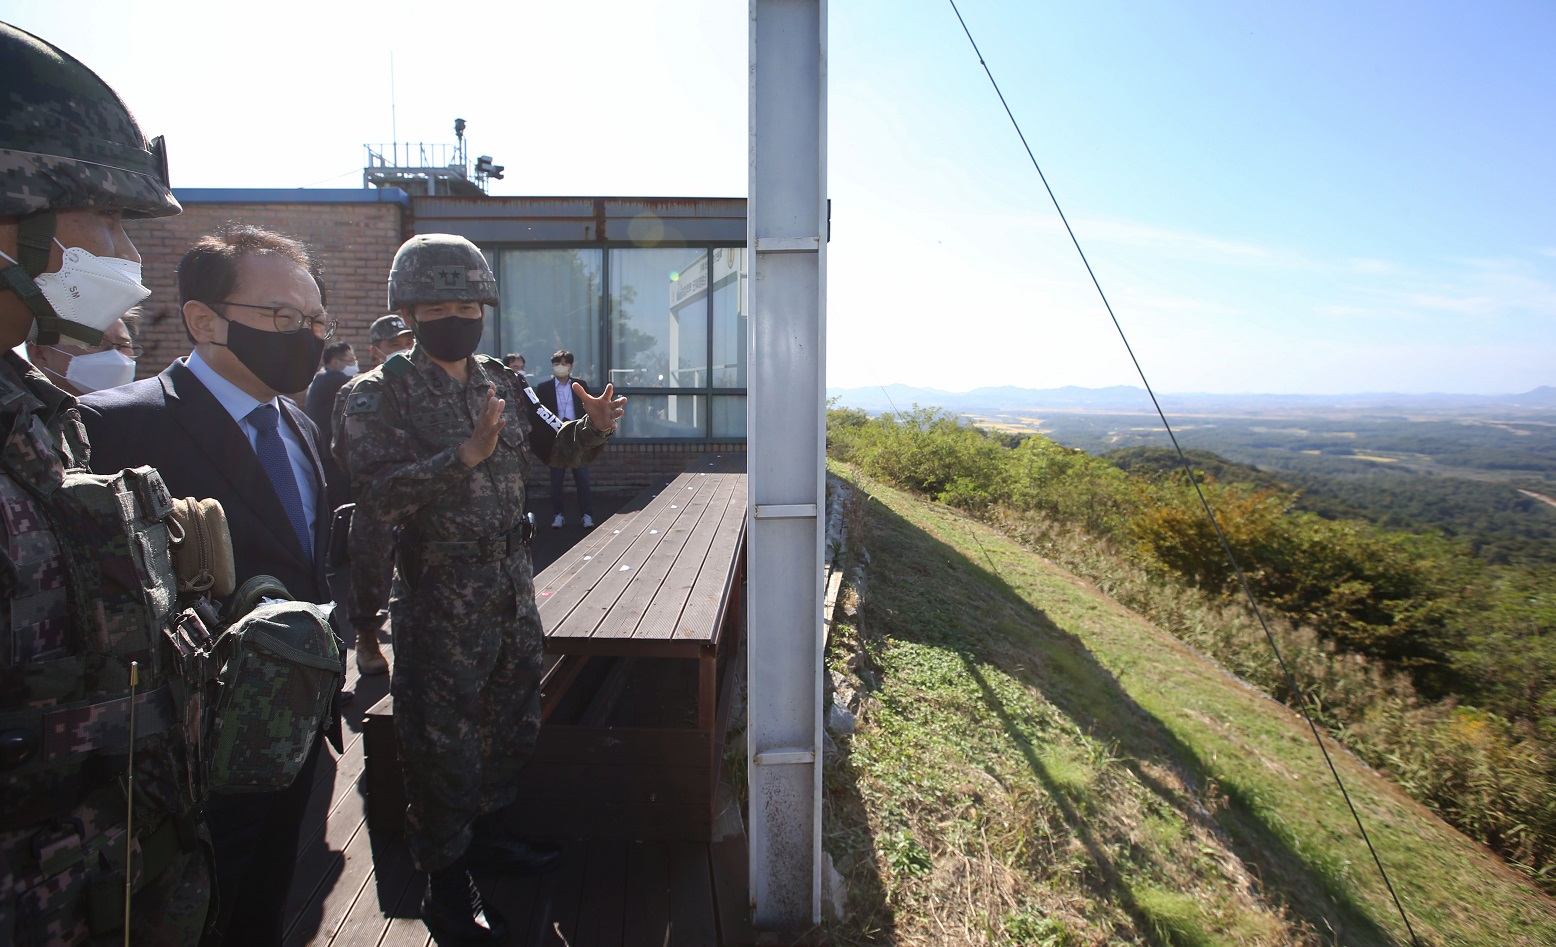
(56, 733)
(491, 549)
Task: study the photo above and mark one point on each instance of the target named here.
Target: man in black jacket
(340, 363)
(215, 425)
(557, 394)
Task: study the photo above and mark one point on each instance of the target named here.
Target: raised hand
(488, 424)
(604, 410)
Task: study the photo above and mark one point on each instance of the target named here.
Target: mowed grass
(1036, 764)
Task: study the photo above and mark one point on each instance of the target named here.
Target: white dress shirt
(239, 404)
(564, 398)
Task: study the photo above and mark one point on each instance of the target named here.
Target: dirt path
(1539, 496)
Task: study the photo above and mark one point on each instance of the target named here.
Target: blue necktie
(272, 456)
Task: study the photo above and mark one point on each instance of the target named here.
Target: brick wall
(629, 467)
(353, 242)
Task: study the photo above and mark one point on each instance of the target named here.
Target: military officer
(370, 540)
(73, 166)
(440, 440)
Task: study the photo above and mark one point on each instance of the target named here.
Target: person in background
(515, 361)
(80, 369)
(340, 364)
(215, 425)
(74, 165)
(559, 395)
(371, 543)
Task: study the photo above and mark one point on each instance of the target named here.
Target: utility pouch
(407, 555)
(280, 670)
(340, 535)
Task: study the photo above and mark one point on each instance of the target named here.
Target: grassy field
(1035, 764)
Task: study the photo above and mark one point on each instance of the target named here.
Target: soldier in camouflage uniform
(371, 542)
(73, 165)
(441, 441)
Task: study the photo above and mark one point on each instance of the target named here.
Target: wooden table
(655, 587)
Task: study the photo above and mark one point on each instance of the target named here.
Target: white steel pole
(786, 236)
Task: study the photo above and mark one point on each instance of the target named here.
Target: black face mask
(451, 339)
(284, 361)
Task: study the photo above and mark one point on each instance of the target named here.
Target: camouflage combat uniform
(371, 542)
(64, 720)
(468, 641)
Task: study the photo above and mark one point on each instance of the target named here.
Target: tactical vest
(65, 737)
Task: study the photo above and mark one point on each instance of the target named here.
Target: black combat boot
(453, 912)
(495, 849)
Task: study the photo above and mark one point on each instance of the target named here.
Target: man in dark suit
(214, 425)
(557, 394)
(340, 364)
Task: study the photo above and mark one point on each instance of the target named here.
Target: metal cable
(1291, 682)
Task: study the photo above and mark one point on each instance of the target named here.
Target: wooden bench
(644, 619)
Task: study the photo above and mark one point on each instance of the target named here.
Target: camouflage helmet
(437, 268)
(67, 140)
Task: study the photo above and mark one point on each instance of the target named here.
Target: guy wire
(1291, 682)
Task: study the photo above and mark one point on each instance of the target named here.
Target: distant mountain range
(1125, 399)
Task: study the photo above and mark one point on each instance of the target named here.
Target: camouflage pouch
(280, 667)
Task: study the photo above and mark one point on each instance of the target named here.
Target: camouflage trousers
(468, 660)
(372, 562)
(83, 906)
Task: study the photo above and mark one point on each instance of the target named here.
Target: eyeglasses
(132, 349)
(289, 320)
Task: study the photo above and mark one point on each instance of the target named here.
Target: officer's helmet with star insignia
(440, 267)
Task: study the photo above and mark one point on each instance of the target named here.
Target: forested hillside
(1496, 521)
(1429, 661)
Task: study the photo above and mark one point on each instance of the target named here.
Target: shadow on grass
(933, 607)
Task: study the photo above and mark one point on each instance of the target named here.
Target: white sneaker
(557, 522)
(588, 521)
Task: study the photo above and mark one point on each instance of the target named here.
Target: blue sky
(1305, 197)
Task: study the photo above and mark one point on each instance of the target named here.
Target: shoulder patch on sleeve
(362, 402)
(398, 364)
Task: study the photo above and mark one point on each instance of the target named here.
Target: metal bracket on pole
(786, 417)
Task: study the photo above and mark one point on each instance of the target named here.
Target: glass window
(491, 332)
(550, 301)
(665, 416)
(659, 318)
(729, 416)
(731, 320)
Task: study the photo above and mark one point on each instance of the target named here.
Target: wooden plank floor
(353, 889)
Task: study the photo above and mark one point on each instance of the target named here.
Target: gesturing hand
(604, 410)
(488, 424)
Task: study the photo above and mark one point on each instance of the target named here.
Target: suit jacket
(319, 405)
(176, 425)
(541, 436)
(546, 391)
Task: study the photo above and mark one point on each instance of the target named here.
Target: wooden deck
(357, 888)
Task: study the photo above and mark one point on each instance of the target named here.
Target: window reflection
(659, 318)
(729, 416)
(731, 318)
(672, 321)
(666, 416)
(550, 301)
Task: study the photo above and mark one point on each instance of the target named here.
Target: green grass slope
(1034, 763)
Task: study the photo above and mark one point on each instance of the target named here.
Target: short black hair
(514, 355)
(209, 269)
(336, 350)
(562, 355)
